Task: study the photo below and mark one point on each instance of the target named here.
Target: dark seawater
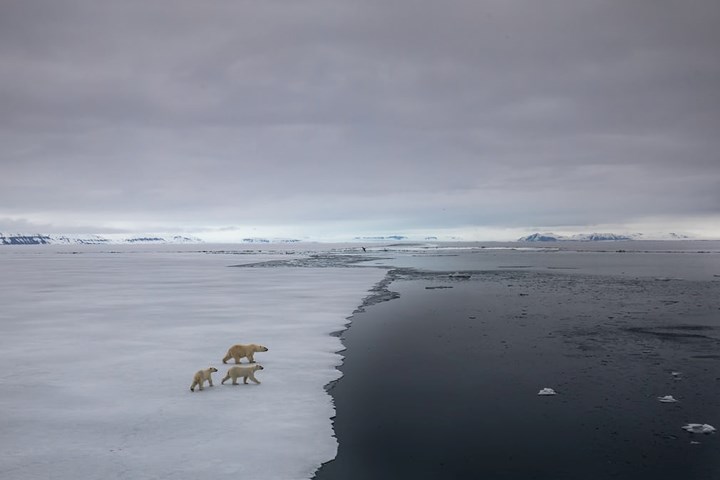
(442, 382)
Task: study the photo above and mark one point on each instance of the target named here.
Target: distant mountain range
(381, 238)
(115, 239)
(57, 239)
(598, 237)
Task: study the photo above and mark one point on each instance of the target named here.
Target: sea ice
(99, 349)
(547, 391)
(667, 399)
(699, 428)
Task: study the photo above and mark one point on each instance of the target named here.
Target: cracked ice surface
(99, 350)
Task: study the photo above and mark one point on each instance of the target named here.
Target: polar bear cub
(245, 372)
(201, 376)
(239, 351)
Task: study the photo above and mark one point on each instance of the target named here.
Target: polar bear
(239, 351)
(201, 376)
(245, 372)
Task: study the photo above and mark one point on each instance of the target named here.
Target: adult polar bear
(244, 371)
(239, 351)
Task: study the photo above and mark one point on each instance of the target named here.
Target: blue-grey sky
(338, 118)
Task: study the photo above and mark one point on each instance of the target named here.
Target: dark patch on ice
(439, 287)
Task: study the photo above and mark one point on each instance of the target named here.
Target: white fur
(201, 376)
(245, 372)
(239, 351)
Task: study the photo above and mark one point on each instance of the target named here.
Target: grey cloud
(419, 114)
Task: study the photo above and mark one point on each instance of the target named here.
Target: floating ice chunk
(676, 375)
(699, 428)
(459, 275)
(667, 399)
(547, 391)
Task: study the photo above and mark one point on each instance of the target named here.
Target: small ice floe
(676, 375)
(699, 428)
(547, 391)
(667, 399)
(459, 275)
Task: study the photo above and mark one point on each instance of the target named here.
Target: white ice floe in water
(99, 351)
(667, 399)
(547, 391)
(699, 428)
(676, 375)
(460, 275)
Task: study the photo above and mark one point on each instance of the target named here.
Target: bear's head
(261, 348)
(257, 366)
(212, 369)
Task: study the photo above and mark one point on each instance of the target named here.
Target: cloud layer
(356, 117)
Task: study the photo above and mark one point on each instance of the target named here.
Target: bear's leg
(226, 377)
(237, 359)
(192, 387)
(235, 380)
(251, 357)
(210, 381)
(252, 377)
(226, 357)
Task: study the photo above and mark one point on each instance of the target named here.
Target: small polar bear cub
(201, 376)
(239, 351)
(245, 372)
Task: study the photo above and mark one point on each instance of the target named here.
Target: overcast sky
(336, 118)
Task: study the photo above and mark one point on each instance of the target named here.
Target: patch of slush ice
(99, 352)
(699, 428)
(547, 391)
(667, 399)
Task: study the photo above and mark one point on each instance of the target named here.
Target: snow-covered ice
(99, 350)
(667, 399)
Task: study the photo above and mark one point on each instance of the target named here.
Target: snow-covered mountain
(91, 239)
(581, 237)
(541, 237)
(600, 237)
